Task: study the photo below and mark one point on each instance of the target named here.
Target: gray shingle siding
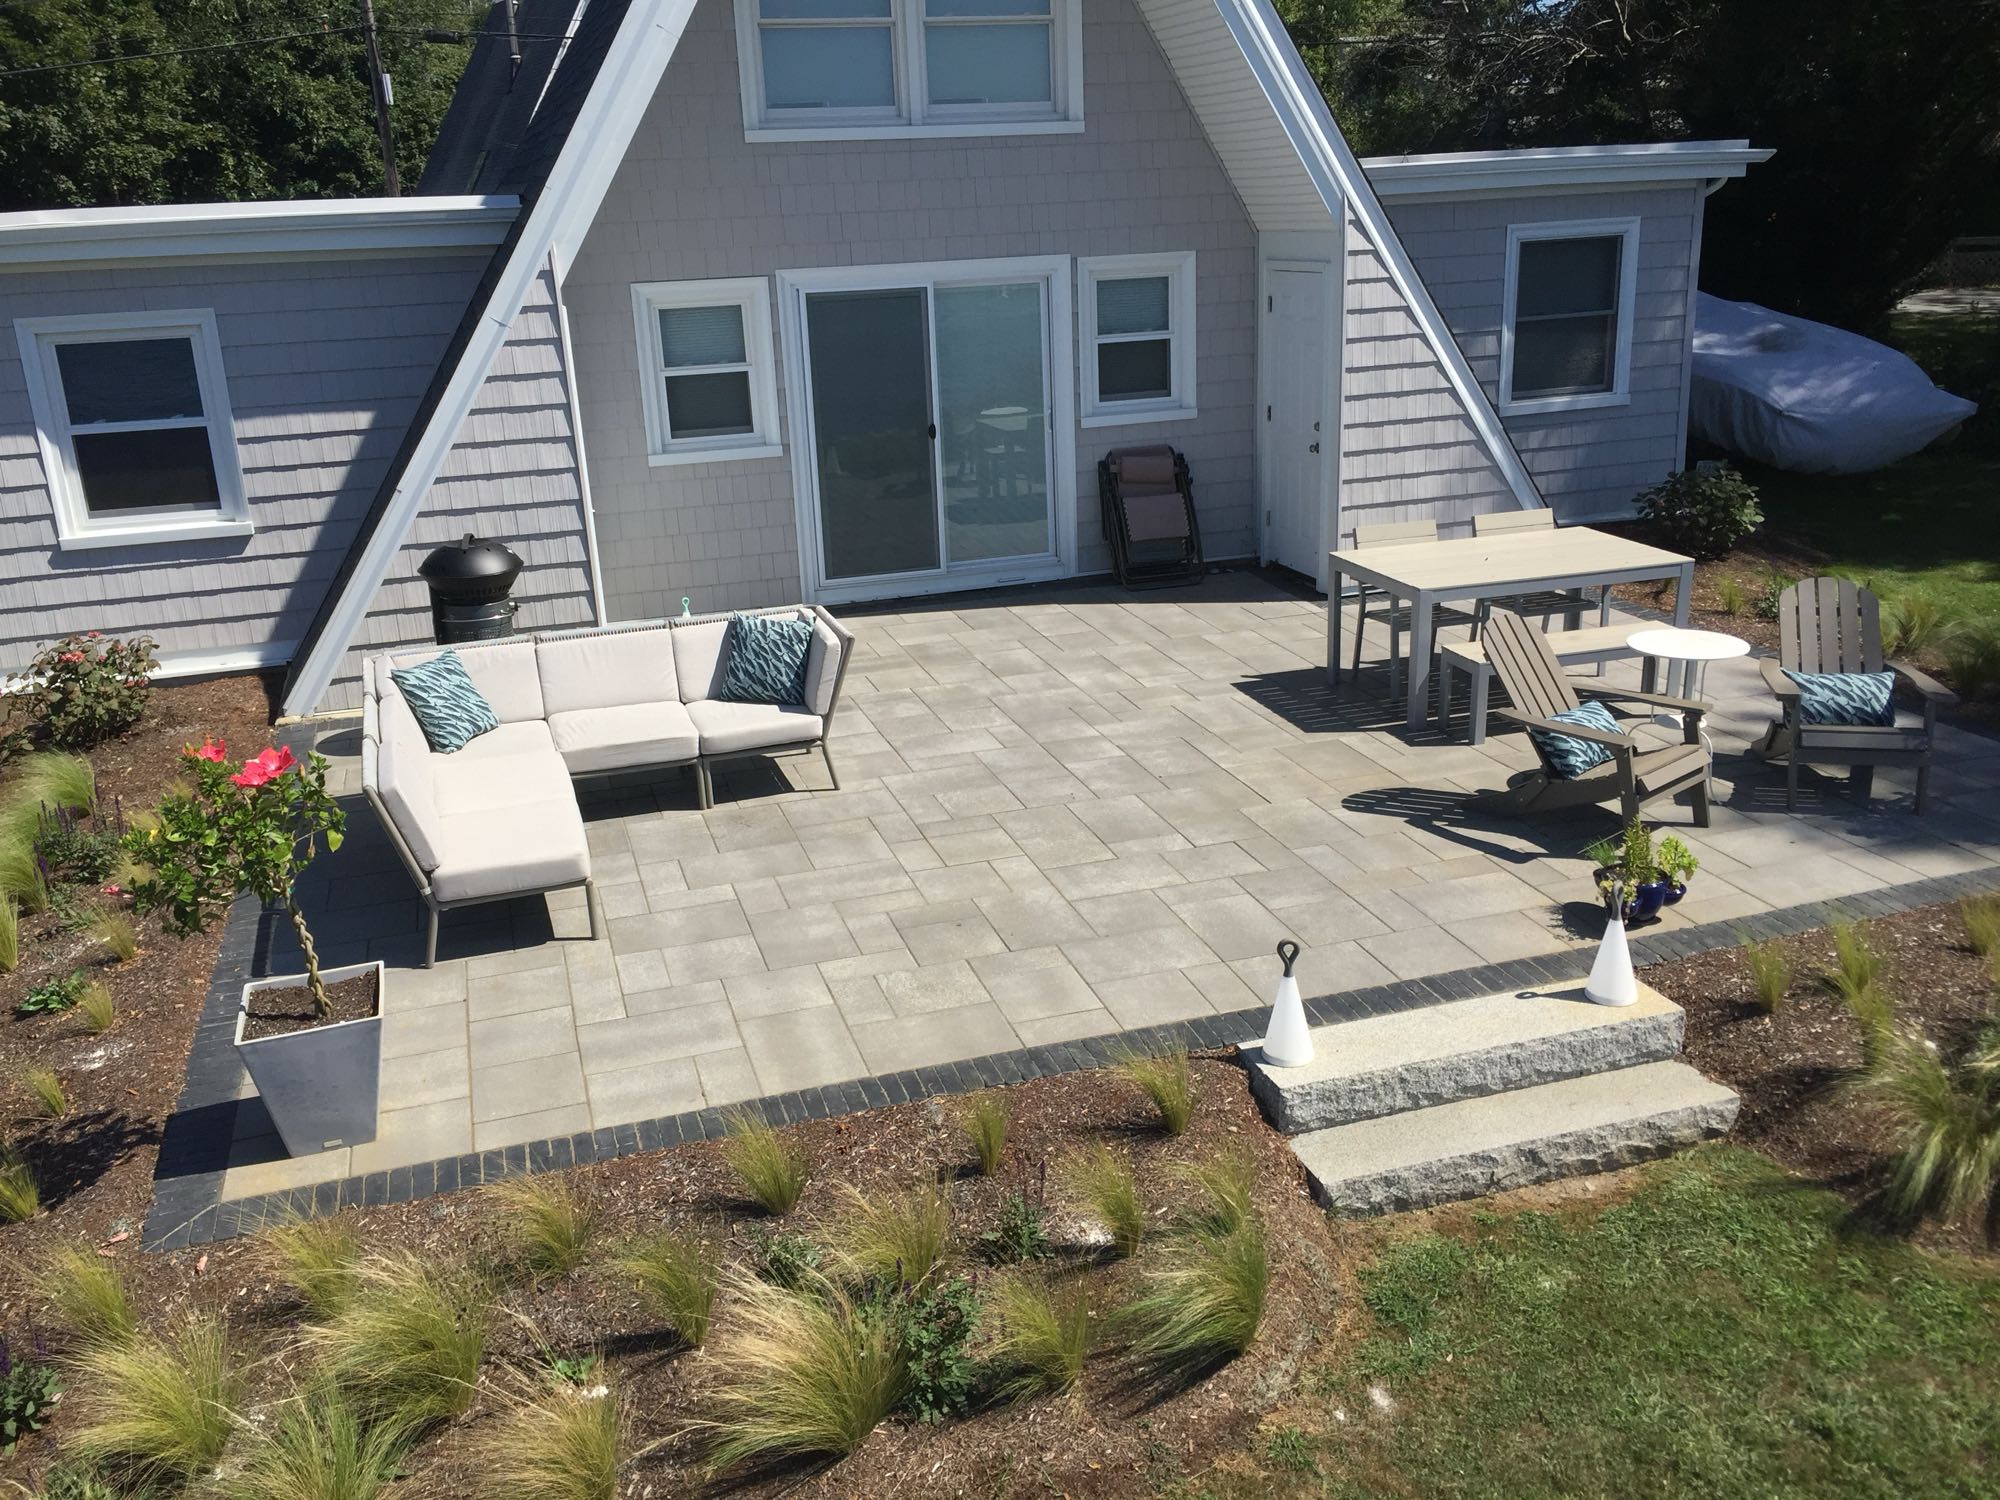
(693, 200)
(1586, 463)
(512, 475)
(325, 361)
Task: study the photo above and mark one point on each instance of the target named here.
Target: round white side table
(1689, 651)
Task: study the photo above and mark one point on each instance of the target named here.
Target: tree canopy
(285, 118)
(1885, 117)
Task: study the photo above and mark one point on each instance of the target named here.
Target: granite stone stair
(1476, 1096)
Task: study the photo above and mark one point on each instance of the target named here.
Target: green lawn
(1932, 522)
(1720, 1334)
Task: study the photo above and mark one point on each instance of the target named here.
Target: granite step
(1464, 1049)
(1474, 1146)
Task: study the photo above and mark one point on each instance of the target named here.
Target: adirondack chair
(1834, 625)
(1539, 689)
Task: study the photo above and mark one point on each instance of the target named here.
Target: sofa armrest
(826, 662)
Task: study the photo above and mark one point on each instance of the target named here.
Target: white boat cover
(1806, 397)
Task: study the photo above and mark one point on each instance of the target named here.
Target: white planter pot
(319, 1085)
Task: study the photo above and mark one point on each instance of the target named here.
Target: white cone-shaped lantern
(1288, 1041)
(1612, 981)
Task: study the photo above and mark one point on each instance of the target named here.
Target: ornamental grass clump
(46, 1090)
(563, 1444)
(249, 827)
(314, 1446)
(1200, 1302)
(677, 1275)
(803, 1373)
(1167, 1081)
(407, 1344)
(318, 1260)
(1944, 1113)
(1981, 916)
(20, 1196)
(1100, 1183)
(89, 1295)
(1221, 1191)
(771, 1170)
(96, 1008)
(986, 1120)
(22, 881)
(114, 933)
(158, 1410)
(10, 935)
(1044, 1335)
(1770, 973)
(548, 1223)
(891, 1238)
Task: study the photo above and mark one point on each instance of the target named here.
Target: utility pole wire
(102, 62)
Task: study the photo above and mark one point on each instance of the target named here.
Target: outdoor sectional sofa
(499, 819)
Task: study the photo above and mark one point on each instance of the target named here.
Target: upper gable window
(857, 69)
(1566, 333)
(136, 433)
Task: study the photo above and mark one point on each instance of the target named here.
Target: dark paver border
(187, 1207)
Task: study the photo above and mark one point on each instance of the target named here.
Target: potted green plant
(1677, 866)
(1628, 874)
(312, 1042)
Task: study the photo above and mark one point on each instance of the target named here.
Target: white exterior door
(1296, 452)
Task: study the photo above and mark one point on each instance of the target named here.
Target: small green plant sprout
(678, 1276)
(891, 1238)
(1769, 592)
(1729, 594)
(936, 1322)
(1222, 1190)
(1100, 1184)
(28, 1391)
(1200, 1303)
(89, 1296)
(407, 1344)
(1770, 972)
(574, 1369)
(1675, 861)
(1020, 1232)
(252, 827)
(1944, 1114)
(985, 1120)
(114, 933)
(771, 1170)
(46, 1090)
(783, 1258)
(1981, 917)
(20, 1197)
(566, 1443)
(96, 1008)
(10, 935)
(1043, 1335)
(314, 1445)
(157, 1409)
(53, 995)
(803, 1373)
(1167, 1081)
(548, 1223)
(317, 1260)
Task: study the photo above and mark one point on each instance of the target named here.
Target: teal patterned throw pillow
(765, 659)
(1569, 757)
(449, 709)
(1846, 697)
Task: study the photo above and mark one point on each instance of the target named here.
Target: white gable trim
(1335, 171)
(597, 143)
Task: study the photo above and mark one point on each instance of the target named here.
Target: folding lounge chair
(1148, 507)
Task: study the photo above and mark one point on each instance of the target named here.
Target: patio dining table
(1467, 569)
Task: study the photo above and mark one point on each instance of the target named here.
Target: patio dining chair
(1833, 625)
(1633, 775)
(1147, 500)
(1545, 603)
(1391, 612)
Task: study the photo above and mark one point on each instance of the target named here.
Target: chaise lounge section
(498, 819)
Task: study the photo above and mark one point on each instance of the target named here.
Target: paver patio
(1064, 813)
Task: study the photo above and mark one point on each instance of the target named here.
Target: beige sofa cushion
(519, 763)
(505, 675)
(822, 667)
(727, 728)
(698, 658)
(403, 779)
(607, 671)
(537, 846)
(621, 736)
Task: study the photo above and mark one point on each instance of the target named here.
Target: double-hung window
(849, 69)
(1566, 330)
(136, 434)
(1136, 318)
(709, 382)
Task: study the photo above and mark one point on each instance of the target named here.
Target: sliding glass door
(931, 436)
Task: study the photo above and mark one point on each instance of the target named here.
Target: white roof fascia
(568, 202)
(211, 231)
(1338, 175)
(1459, 174)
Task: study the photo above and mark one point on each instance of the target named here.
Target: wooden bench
(1597, 643)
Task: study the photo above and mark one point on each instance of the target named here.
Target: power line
(429, 34)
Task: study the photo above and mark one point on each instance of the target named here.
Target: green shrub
(805, 1373)
(1167, 1081)
(784, 1259)
(1981, 916)
(1020, 1233)
(1200, 1303)
(20, 1197)
(318, 1260)
(773, 1173)
(54, 994)
(1222, 1190)
(1043, 1337)
(157, 1409)
(89, 1295)
(1945, 1116)
(549, 1222)
(935, 1325)
(567, 1444)
(891, 1237)
(1770, 973)
(10, 935)
(87, 688)
(407, 1343)
(315, 1446)
(1703, 514)
(47, 1091)
(1101, 1184)
(678, 1275)
(985, 1121)
(1972, 661)
(97, 1008)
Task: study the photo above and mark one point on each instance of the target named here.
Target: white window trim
(76, 528)
(1620, 393)
(1179, 269)
(753, 295)
(912, 118)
